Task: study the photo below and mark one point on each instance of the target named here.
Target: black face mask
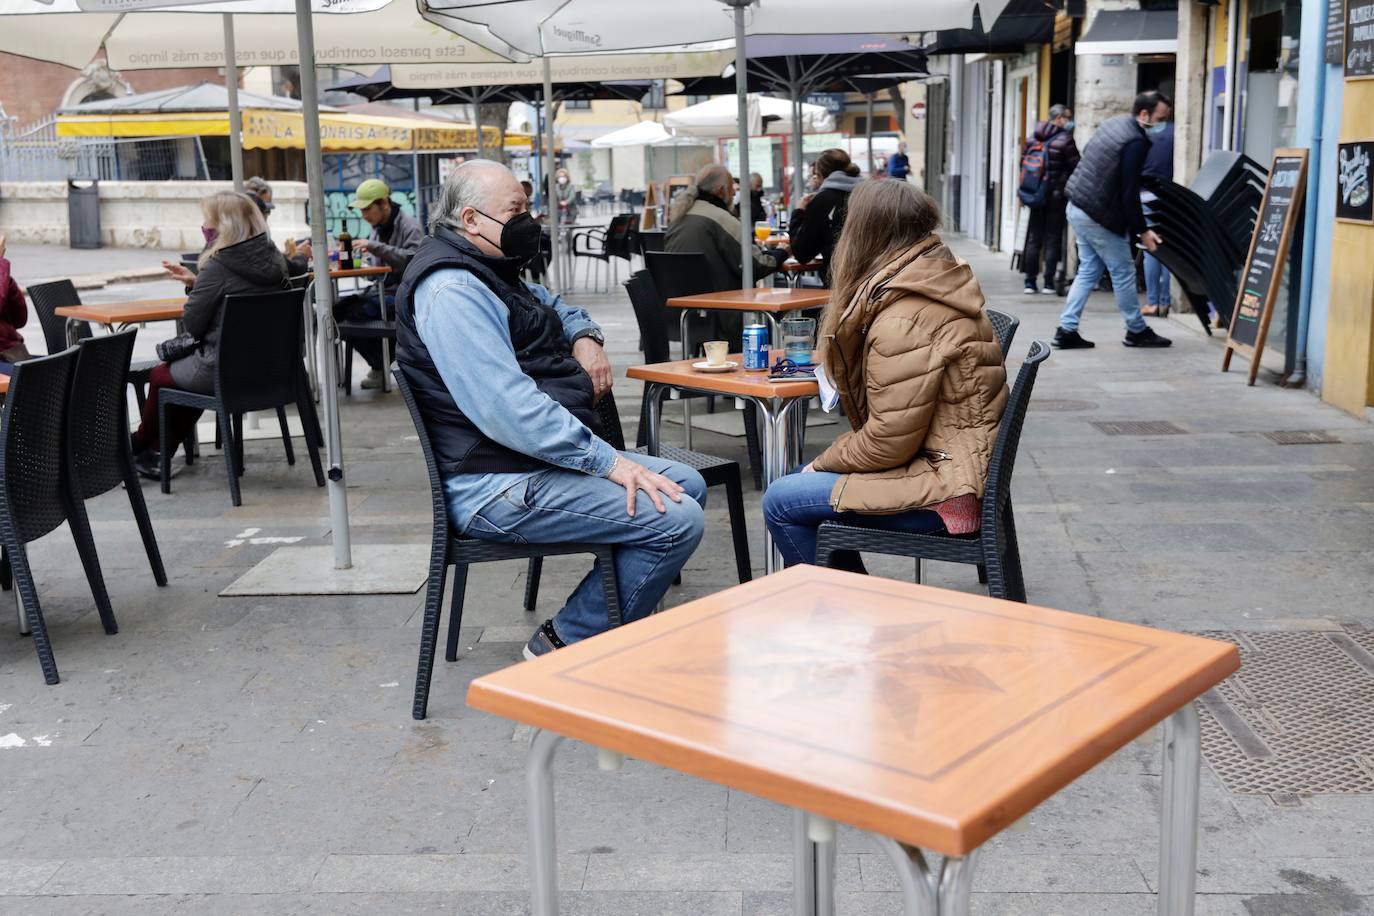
(520, 236)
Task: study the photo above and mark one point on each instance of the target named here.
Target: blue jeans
(1100, 249)
(794, 507)
(558, 506)
(1156, 281)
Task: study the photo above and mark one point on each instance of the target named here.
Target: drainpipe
(1314, 15)
(1228, 110)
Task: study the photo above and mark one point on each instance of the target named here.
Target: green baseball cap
(368, 193)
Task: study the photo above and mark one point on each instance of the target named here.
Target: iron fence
(36, 153)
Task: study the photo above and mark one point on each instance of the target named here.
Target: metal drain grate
(1139, 428)
(1063, 406)
(1297, 719)
(1301, 437)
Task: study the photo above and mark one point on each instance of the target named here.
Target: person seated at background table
(14, 314)
(906, 348)
(816, 224)
(702, 222)
(239, 259)
(506, 377)
(297, 256)
(396, 236)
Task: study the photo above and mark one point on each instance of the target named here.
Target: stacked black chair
(650, 240)
(994, 546)
(366, 329)
(34, 494)
(97, 451)
(47, 298)
(603, 245)
(1206, 228)
(447, 549)
(258, 366)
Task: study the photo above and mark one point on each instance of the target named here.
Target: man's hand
(179, 273)
(361, 244)
(593, 358)
(304, 250)
(808, 468)
(635, 477)
(1150, 240)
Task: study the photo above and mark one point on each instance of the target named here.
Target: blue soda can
(755, 348)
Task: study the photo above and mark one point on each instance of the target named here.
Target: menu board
(1359, 39)
(1279, 211)
(1335, 30)
(1354, 197)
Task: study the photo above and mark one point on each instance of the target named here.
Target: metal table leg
(775, 414)
(686, 401)
(803, 868)
(386, 344)
(543, 841)
(926, 891)
(312, 366)
(1178, 830)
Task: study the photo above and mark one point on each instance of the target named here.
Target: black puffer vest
(1095, 186)
(541, 348)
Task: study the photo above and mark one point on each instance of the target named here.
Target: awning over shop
(1131, 32)
(1022, 22)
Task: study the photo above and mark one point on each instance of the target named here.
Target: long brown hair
(885, 217)
(235, 218)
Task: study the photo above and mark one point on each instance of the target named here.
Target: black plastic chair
(602, 245)
(1004, 326)
(994, 547)
(376, 329)
(258, 366)
(650, 240)
(97, 450)
(34, 496)
(654, 336)
(47, 298)
(448, 549)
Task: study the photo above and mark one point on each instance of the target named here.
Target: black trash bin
(83, 213)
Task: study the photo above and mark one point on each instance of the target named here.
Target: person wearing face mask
(506, 377)
(239, 259)
(1105, 213)
(566, 195)
(1045, 221)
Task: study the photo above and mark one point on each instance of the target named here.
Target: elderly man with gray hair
(506, 377)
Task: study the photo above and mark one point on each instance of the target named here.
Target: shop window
(577, 104)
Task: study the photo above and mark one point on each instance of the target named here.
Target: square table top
(754, 300)
(752, 383)
(933, 717)
(345, 273)
(127, 312)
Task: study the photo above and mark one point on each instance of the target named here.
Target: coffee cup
(716, 351)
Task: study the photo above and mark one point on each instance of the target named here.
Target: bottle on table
(345, 249)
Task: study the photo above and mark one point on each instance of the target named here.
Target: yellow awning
(267, 129)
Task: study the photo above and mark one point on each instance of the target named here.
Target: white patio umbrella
(719, 117)
(541, 28)
(645, 133)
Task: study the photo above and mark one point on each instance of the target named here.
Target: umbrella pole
(415, 161)
(324, 292)
(231, 86)
(746, 222)
(477, 123)
(869, 97)
(555, 275)
(798, 158)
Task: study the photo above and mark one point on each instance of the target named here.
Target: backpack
(1034, 189)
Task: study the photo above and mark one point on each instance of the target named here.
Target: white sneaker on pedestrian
(372, 380)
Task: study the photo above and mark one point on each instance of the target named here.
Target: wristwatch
(594, 333)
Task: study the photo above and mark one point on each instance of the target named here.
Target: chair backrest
(680, 273)
(998, 489)
(609, 415)
(1005, 327)
(650, 240)
(436, 486)
(34, 424)
(47, 298)
(617, 236)
(258, 363)
(650, 315)
(97, 413)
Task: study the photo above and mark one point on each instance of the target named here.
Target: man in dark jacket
(1045, 223)
(396, 236)
(1104, 211)
(1159, 163)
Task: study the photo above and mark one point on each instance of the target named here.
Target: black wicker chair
(258, 366)
(97, 452)
(34, 498)
(602, 245)
(994, 546)
(376, 329)
(448, 549)
(1004, 326)
(47, 298)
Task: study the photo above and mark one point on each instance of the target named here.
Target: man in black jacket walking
(1104, 211)
(1045, 224)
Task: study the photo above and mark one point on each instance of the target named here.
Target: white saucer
(704, 366)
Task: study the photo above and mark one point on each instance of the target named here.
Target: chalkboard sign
(1279, 210)
(1335, 30)
(1359, 39)
(1354, 196)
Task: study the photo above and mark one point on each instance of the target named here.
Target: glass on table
(762, 231)
(798, 339)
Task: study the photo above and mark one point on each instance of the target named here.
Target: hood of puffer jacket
(1046, 131)
(255, 259)
(839, 181)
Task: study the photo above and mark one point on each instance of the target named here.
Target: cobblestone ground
(257, 755)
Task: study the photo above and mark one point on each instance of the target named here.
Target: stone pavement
(257, 755)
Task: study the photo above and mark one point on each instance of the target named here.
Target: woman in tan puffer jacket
(906, 347)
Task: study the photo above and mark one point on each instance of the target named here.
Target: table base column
(926, 891)
(542, 837)
(776, 415)
(1179, 801)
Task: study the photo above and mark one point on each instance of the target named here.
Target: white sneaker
(372, 380)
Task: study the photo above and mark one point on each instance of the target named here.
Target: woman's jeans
(794, 507)
(1156, 281)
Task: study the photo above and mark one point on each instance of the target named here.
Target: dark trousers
(363, 307)
(1044, 234)
(180, 420)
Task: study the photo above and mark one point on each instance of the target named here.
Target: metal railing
(36, 153)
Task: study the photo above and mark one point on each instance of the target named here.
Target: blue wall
(1325, 174)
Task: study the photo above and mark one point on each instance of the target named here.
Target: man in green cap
(395, 238)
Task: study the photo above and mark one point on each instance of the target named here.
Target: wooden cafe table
(776, 402)
(115, 314)
(930, 719)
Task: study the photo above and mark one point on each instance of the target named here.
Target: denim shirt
(466, 328)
